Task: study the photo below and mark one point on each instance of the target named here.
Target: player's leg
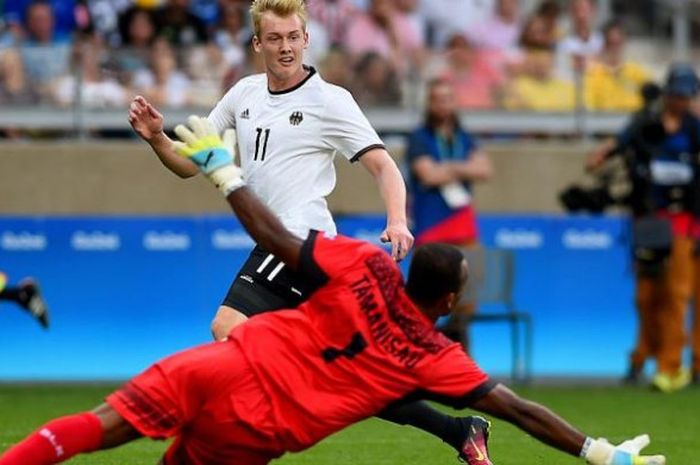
(65, 437)
(458, 432)
(677, 288)
(225, 320)
(647, 344)
(236, 422)
(263, 284)
(28, 296)
(695, 335)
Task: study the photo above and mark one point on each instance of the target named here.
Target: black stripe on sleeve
(359, 154)
(308, 266)
(458, 403)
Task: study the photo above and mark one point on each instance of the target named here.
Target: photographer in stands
(661, 146)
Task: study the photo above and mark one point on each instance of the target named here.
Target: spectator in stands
(45, 53)
(384, 30)
(538, 89)
(222, 60)
(444, 160)
(97, 89)
(476, 83)
(8, 34)
(16, 14)
(253, 64)
(232, 34)
(137, 30)
(540, 31)
(319, 47)
(105, 16)
(445, 18)
(208, 11)
(334, 15)
(611, 82)
(13, 85)
(335, 68)
(179, 26)
(410, 9)
(163, 84)
(583, 42)
(500, 32)
(375, 82)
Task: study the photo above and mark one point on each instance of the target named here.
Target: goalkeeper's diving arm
(264, 227)
(214, 158)
(551, 429)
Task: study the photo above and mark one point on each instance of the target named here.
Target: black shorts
(265, 284)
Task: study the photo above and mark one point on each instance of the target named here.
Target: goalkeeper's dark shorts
(265, 284)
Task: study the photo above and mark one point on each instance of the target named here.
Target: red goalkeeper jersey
(355, 346)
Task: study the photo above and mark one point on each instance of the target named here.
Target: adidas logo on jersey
(245, 114)
(296, 118)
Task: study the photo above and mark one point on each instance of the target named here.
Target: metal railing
(80, 121)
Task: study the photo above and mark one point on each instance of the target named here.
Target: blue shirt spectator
(15, 12)
(45, 53)
(444, 160)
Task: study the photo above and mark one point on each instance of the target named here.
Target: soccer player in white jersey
(290, 124)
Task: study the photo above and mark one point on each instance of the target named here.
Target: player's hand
(401, 240)
(601, 452)
(145, 119)
(201, 144)
(631, 449)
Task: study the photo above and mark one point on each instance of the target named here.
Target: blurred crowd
(188, 52)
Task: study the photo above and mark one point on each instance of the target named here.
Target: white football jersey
(287, 141)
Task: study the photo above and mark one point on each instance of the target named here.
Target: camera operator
(661, 145)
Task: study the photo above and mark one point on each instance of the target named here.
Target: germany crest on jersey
(296, 118)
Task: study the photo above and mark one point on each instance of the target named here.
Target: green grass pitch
(616, 413)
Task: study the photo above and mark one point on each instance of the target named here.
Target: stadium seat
(491, 278)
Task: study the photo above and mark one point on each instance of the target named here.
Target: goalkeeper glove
(212, 155)
(601, 452)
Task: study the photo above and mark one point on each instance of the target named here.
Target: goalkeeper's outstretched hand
(600, 452)
(213, 155)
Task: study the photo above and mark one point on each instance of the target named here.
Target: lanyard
(444, 152)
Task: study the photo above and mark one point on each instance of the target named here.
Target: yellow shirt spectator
(609, 88)
(537, 89)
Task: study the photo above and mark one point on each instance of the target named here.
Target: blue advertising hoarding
(124, 291)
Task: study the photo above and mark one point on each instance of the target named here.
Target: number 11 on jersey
(260, 132)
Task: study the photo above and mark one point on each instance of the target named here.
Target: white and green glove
(601, 452)
(212, 155)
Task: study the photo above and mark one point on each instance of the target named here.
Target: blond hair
(282, 8)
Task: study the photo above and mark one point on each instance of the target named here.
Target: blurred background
(133, 261)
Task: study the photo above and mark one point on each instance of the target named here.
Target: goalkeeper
(362, 341)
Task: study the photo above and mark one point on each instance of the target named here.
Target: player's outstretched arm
(147, 122)
(553, 430)
(393, 190)
(264, 227)
(214, 158)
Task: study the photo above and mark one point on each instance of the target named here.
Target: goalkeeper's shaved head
(281, 8)
(437, 270)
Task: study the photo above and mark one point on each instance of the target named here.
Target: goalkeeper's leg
(65, 437)
(455, 431)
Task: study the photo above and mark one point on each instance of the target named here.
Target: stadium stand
(519, 56)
